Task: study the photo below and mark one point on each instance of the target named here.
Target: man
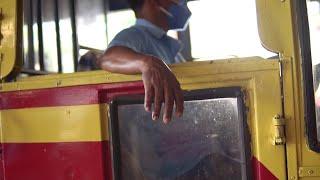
(145, 48)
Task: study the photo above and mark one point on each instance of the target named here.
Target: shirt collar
(153, 29)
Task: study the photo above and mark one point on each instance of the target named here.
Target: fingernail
(166, 120)
(147, 109)
(154, 117)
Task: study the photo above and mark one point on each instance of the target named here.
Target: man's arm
(160, 83)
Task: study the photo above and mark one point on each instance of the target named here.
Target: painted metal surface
(53, 161)
(260, 172)
(63, 115)
(67, 96)
(11, 41)
(277, 33)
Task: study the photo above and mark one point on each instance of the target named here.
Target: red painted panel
(58, 161)
(2, 163)
(260, 172)
(67, 96)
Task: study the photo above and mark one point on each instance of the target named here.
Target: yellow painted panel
(275, 25)
(11, 30)
(55, 124)
(258, 78)
(182, 71)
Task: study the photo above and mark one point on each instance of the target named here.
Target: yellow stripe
(55, 124)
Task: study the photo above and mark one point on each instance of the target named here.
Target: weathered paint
(260, 172)
(53, 161)
(67, 96)
(69, 117)
(11, 40)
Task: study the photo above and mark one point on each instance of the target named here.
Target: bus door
(231, 127)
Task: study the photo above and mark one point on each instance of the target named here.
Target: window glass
(67, 56)
(207, 143)
(122, 19)
(224, 29)
(50, 51)
(91, 24)
(28, 63)
(119, 20)
(30, 36)
(314, 25)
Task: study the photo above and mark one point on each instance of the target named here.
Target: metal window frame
(73, 18)
(30, 68)
(29, 20)
(40, 35)
(58, 36)
(308, 86)
(229, 92)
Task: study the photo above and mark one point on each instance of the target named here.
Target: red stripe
(260, 172)
(57, 161)
(2, 163)
(67, 96)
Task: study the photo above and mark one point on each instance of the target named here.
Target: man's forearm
(122, 60)
(160, 84)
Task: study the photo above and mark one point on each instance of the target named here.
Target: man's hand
(161, 86)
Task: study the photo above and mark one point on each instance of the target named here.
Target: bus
(251, 87)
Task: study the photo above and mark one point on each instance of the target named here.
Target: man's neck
(155, 18)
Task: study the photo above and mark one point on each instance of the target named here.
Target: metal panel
(10, 38)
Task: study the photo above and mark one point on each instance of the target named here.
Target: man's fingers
(169, 102)
(158, 99)
(179, 101)
(148, 97)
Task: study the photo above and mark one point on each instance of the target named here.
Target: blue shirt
(146, 38)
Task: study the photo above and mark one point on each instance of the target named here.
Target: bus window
(48, 23)
(49, 35)
(67, 47)
(231, 31)
(91, 24)
(119, 20)
(208, 142)
(224, 29)
(31, 36)
(314, 26)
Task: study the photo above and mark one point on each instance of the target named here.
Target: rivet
(59, 83)
(293, 178)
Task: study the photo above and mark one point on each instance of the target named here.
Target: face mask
(178, 15)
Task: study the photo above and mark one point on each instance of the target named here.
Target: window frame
(307, 75)
(217, 93)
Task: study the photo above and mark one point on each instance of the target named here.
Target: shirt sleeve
(131, 38)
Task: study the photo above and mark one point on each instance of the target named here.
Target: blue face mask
(178, 15)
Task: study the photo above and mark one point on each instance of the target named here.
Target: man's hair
(135, 5)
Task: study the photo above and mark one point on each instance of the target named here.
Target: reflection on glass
(25, 46)
(36, 46)
(314, 25)
(207, 143)
(35, 31)
(224, 29)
